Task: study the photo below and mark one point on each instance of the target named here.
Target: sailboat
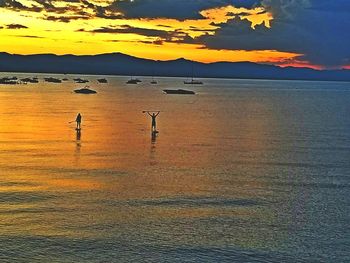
(193, 81)
(153, 81)
(133, 81)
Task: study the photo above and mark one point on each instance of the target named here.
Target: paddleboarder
(78, 121)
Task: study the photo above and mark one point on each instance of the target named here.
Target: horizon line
(169, 60)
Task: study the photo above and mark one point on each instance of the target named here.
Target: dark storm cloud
(28, 36)
(15, 5)
(126, 29)
(166, 26)
(65, 19)
(103, 12)
(74, 9)
(162, 9)
(155, 42)
(16, 26)
(180, 9)
(315, 28)
(175, 36)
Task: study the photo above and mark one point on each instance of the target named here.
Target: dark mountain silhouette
(121, 64)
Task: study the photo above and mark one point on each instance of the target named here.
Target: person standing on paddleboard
(153, 116)
(78, 120)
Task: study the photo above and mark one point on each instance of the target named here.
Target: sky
(302, 33)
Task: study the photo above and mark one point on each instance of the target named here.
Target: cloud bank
(316, 29)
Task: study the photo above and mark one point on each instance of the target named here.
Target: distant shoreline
(117, 64)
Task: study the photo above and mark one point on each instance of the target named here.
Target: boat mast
(192, 70)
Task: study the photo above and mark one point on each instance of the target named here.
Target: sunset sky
(312, 33)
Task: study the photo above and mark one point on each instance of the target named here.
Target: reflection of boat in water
(179, 91)
(102, 81)
(53, 80)
(85, 90)
(79, 80)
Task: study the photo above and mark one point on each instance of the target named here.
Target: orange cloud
(139, 37)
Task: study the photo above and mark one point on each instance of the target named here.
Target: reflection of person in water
(78, 137)
(154, 138)
(153, 116)
(78, 120)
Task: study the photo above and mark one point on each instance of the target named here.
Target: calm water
(244, 171)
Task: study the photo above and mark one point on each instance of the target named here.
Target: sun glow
(157, 38)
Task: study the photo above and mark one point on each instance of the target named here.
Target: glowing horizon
(99, 27)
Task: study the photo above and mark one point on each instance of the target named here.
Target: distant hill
(121, 64)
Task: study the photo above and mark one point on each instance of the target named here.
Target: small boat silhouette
(193, 82)
(9, 81)
(30, 80)
(85, 90)
(102, 81)
(79, 80)
(132, 81)
(53, 80)
(179, 91)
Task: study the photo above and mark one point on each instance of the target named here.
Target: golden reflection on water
(201, 151)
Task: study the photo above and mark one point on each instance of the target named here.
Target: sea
(242, 171)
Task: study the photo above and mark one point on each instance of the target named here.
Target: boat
(9, 81)
(65, 79)
(153, 81)
(53, 80)
(79, 80)
(179, 91)
(10, 78)
(193, 81)
(85, 90)
(132, 81)
(102, 81)
(33, 80)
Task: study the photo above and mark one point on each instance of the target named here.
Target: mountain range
(121, 64)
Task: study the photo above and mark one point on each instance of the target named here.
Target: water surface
(244, 171)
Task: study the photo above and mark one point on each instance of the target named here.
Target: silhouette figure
(154, 124)
(78, 121)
